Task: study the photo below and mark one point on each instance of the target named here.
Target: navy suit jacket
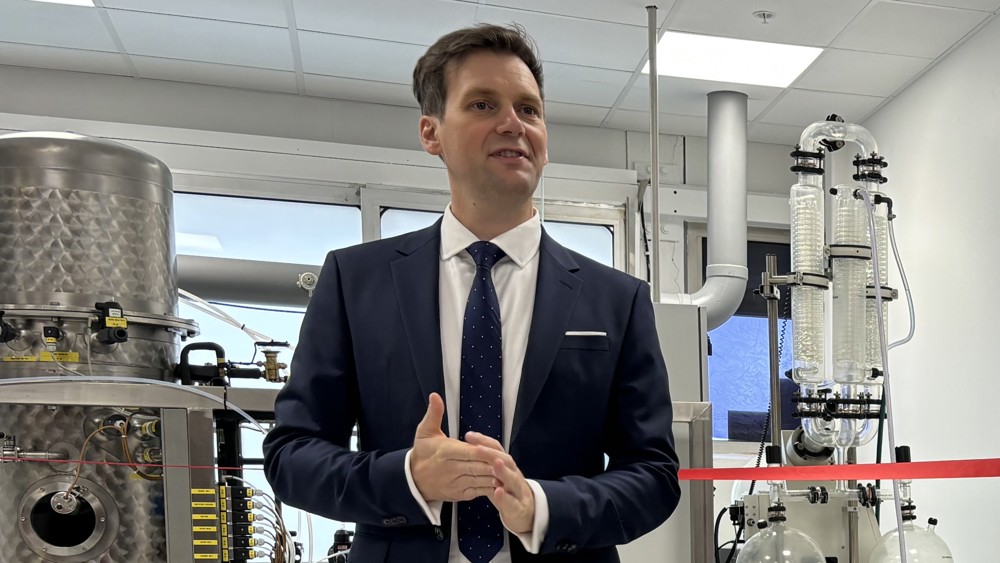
(370, 354)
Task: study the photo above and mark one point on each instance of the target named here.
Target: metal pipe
(771, 262)
(654, 149)
(46, 456)
(726, 272)
(853, 541)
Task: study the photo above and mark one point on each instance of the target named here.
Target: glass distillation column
(869, 171)
(850, 254)
(808, 299)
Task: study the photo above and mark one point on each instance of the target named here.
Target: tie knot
(485, 253)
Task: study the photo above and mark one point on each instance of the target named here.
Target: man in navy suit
(569, 368)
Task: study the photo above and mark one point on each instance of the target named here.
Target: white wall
(940, 139)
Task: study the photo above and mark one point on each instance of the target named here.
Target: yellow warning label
(20, 359)
(203, 516)
(211, 556)
(113, 322)
(69, 357)
(203, 492)
(225, 530)
(223, 505)
(224, 518)
(206, 542)
(225, 542)
(210, 529)
(202, 505)
(225, 555)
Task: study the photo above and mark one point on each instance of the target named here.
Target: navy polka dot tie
(480, 532)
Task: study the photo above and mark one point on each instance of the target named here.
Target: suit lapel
(555, 297)
(415, 279)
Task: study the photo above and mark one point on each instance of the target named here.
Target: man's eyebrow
(489, 92)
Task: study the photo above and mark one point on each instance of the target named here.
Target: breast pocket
(585, 342)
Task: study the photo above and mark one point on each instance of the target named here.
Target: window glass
(261, 229)
(596, 242)
(739, 372)
(398, 221)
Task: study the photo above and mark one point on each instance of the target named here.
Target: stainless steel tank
(85, 221)
(82, 221)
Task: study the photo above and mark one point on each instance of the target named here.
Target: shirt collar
(520, 243)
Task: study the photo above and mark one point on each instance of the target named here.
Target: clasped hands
(446, 469)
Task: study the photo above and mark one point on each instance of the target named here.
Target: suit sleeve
(307, 458)
(639, 489)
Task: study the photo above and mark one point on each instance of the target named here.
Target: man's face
(492, 136)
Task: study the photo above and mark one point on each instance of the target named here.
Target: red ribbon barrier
(954, 469)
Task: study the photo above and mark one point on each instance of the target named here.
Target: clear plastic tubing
(850, 276)
(807, 238)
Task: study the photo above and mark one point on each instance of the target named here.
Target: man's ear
(429, 134)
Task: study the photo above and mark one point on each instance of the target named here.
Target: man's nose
(510, 122)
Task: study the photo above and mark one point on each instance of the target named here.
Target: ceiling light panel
(724, 59)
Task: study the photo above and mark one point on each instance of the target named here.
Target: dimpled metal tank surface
(83, 221)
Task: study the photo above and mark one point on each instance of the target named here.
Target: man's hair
(429, 76)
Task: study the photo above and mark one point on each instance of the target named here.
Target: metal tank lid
(81, 153)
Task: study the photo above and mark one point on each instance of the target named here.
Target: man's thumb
(430, 426)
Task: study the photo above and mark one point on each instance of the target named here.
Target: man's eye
(480, 105)
(530, 110)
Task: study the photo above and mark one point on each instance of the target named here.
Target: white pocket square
(585, 333)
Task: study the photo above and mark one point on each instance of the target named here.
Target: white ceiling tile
(629, 12)
(575, 41)
(359, 90)
(353, 57)
(57, 58)
(857, 72)
(802, 107)
(404, 21)
(583, 85)
(261, 12)
(796, 22)
(776, 134)
(687, 96)
(669, 124)
(215, 74)
(908, 29)
(55, 25)
(574, 114)
(175, 37)
(981, 5)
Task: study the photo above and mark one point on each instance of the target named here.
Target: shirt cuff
(532, 541)
(432, 509)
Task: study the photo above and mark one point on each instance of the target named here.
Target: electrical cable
(255, 308)
(119, 379)
(645, 241)
(83, 455)
(718, 521)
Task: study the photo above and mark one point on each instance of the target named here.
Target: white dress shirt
(515, 278)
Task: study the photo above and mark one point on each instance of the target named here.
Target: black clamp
(807, 162)
(868, 495)
(776, 513)
(870, 169)
(818, 495)
(111, 326)
(7, 330)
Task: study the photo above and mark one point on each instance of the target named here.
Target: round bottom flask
(923, 545)
(780, 544)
